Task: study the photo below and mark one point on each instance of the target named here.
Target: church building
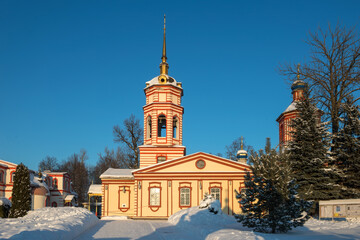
(168, 180)
(291, 112)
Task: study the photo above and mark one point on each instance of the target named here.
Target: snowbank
(315, 225)
(197, 216)
(210, 226)
(48, 223)
(4, 201)
(202, 218)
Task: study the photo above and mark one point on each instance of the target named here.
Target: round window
(200, 164)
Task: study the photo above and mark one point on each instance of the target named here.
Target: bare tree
(49, 163)
(109, 159)
(333, 72)
(75, 167)
(130, 136)
(234, 147)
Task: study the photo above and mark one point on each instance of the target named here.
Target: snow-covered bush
(208, 215)
(211, 203)
(5, 206)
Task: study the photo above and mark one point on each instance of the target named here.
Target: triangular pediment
(196, 163)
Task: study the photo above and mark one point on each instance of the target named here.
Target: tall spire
(164, 43)
(164, 66)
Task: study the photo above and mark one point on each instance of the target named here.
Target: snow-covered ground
(191, 224)
(48, 223)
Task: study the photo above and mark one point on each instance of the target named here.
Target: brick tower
(163, 117)
(290, 113)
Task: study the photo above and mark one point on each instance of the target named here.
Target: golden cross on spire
(242, 143)
(298, 71)
(164, 22)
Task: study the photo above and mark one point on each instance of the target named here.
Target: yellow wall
(170, 201)
(170, 176)
(114, 201)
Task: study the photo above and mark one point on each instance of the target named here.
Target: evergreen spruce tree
(269, 202)
(312, 167)
(21, 195)
(347, 153)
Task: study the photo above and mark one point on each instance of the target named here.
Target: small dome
(298, 84)
(163, 79)
(241, 154)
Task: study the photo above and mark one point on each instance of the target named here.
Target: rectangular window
(184, 196)
(338, 208)
(215, 192)
(154, 196)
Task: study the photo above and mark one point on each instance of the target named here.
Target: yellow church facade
(168, 180)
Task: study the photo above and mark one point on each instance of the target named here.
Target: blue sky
(71, 70)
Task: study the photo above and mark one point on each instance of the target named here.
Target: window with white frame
(184, 196)
(154, 196)
(216, 193)
(12, 175)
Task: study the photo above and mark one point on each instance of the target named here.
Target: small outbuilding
(94, 194)
(342, 208)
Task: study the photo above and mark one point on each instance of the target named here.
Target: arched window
(54, 204)
(55, 183)
(148, 130)
(175, 127)
(162, 126)
(1, 176)
(161, 159)
(12, 174)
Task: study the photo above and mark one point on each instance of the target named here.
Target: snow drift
(48, 223)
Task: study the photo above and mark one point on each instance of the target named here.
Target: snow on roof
(117, 173)
(69, 197)
(95, 188)
(154, 146)
(4, 201)
(54, 173)
(35, 182)
(291, 107)
(6, 163)
(241, 151)
(155, 81)
(340, 201)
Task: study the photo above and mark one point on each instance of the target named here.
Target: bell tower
(163, 117)
(291, 112)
